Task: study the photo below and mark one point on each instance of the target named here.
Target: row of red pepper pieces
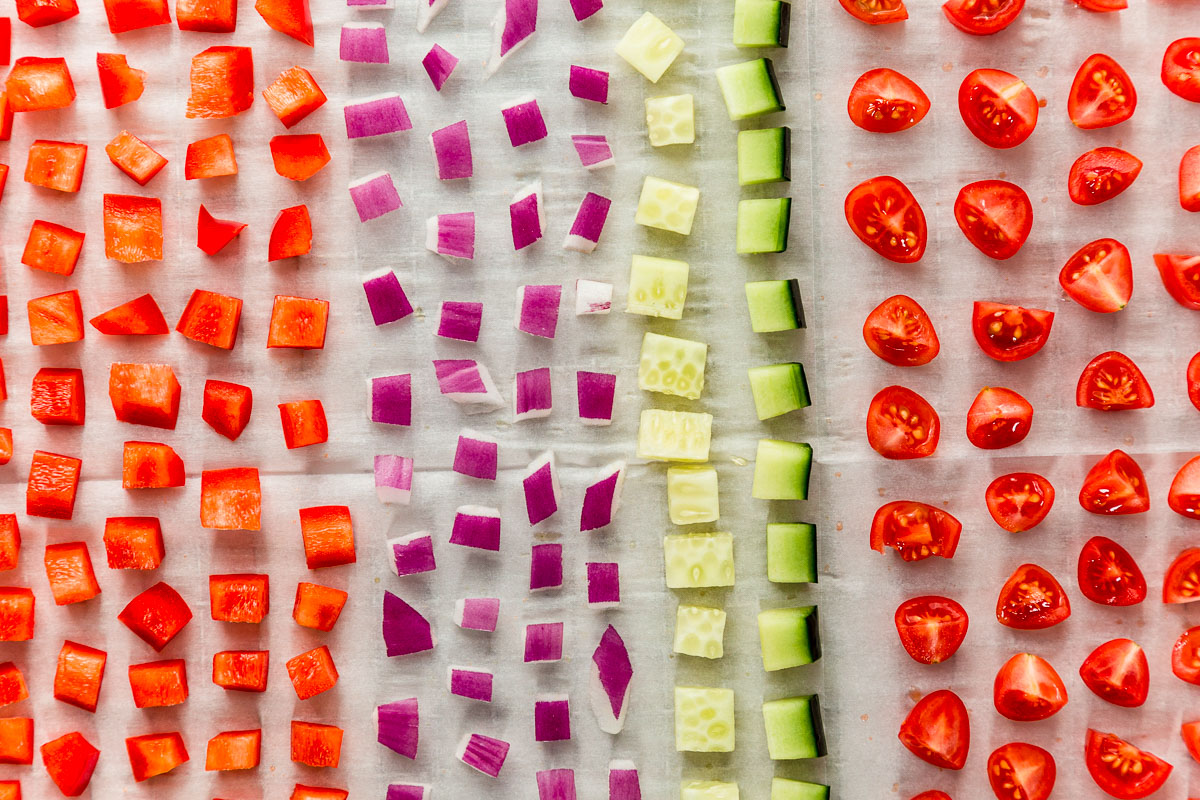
(291, 17)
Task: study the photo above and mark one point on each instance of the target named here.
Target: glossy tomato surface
(876, 12)
(1193, 380)
(1189, 179)
(932, 794)
(1020, 771)
(1112, 382)
(1118, 672)
(885, 101)
(1099, 276)
(1182, 582)
(1010, 333)
(1102, 5)
(1185, 656)
(1032, 599)
(995, 216)
(997, 107)
(915, 530)
(1121, 769)
(998, 418)
(931, 628)
(1181, 68)
(900, 332)
(1184, 495)
(1180, 277)
(1109, 575)
(901, 424)
(885, 215)
(1101, 174)
(1191, 738)
(1102, 94)
(938, 731)
(1028, 689)
(1114, 486)
(982, 17)
(1018, 501)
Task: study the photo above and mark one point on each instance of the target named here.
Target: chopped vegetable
(133, 542)
(16, 618)
(781, 470)
(527, 215)
(40, 13)
(584, 9)
(130, 15)
(602, 498)
(692, 495)
(293, 95)
(316, 745)
(398, 725)
(233, 750)
(328, 535)
(604, 584)
(391, 400)
(775, 306)
(57, 397)
(556, 784)
(408, 791)
(762, 225)
(312, 673)
(239, 598)
(708, 790)
(477, 456)
(589, 223)
(52, 248)
(674, 435)
(761, 23)
(298, 322)
(514, 24)
(794, 728)
(231, 499)
(157, 615)
(699, 631)
(374, 195)
(594, 151)
(298, 157)
(704, 720)
(543, 642)
(155, 754)
(542, 491)
(151, 465)
(552, 718)
(135, 158)
(592, 297)
(79, 675)
(222, 79)
(411, 554)
(764, 154)
(667, 206)
(144, 394)
(610, 680)
(53, 482)
(119, 82)
(698, 560)
(537, 309)
(477, 527)
(210, 158)
(588, 84)
(657, 287)
(213, 234)
(476, 613)
(364, 43)
(524, 122)
(482, 753)
(241, 670)
(393, 479)
(133, 228)
(37, 84)
(532, 395)
(318, 607)
(70, 761)
(670, 120)
(778, 389)
(473, 684)
(749, 89)
(595, 394)
(789, 637)
(623, 781)
(439, 63)
(650, 47)
(385, 297)
(469, 384)
(451, 235)
(452, 151)
(788, 789)
(460, 320)
(56, 165)
(70, 574)
(672, 366)
(375, 116)
(211, 319)
(210, 16)
(791, 552)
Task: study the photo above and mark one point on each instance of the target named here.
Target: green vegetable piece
(789, 637)
(699, 631)
(657, 287)
(650, 46)
(749, 89)
(708, 790)
(794, 728)
(698, 560)
(672, 366)
(760, 23)
(778, 389)
(785, 789)
(775, 305)
(791, 552)
(764, 156)
(781, 470)
(667, 205)
(692, 495)
(704, 719)
(762, 225)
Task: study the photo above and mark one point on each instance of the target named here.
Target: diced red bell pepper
(213, 234)
(55, 318)
(12, 684)
(298, 322)
(144, 394)
(232, 750)
(6, 117)
(141, 316)
(79, 675)
(130, 15)
(222, 82)
(227, 407)
(119, 82)
(239, 598)
(52, 247)
(318, 607)
(70, 759)
(156, 615)
(133, 228)
(302, 792)
(69, 570)
(5, 41)
(3, 315)
(151, 465)
(292, 17)
(231, 499)
(39, 84)
(291, 235)
(135, 158)
(10, 541)
(3, 384)
(211, 318)
(133, 542)
(53, 482)
(328, 534)
(316, 745)
(57, 396)
(241, 670)
(210, 16)
(3, 178)
(16, 740)
(312, 673)
(16, 614)
(299, 156)
(293, 95)
(210, 158)
(303, 423)
(56, 165)
(157, 684)
(10, 790)
(6, 446)
(155, 754)
(40, 13)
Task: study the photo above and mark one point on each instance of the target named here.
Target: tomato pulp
(995, 216)
(938, 731)
(1028, 689)
(876, 12)
(1019, 501)
(982, 17)
(1121, 769)
(885, 215)
(1101, 94)
(886, 101)
(931, 628)
(1185, 656)
(1032, 599)
(1112, 382)
(901, 424)
(1115, 485)
(1101, 174)
(1109, 575)
(914, 530)
(1181, 68)
(1010, 333)
(998, 418)
(900, 332)
(1118, 672)
(1020, 771)
(1182, 582)
(997, 107)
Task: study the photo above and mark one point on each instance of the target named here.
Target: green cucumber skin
(774, 306)
(763, 224)
(761, 23)
(764, 155)
(785, 789)
(809, 735)
(799, 565)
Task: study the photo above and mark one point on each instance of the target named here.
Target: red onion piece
(393, 479)
(612, 674)
(391, 399)
(385, 297)
(405, 631)
(586, 8)
(399, 725)
(592, 297)
(623, 781)
(546, 567)
(477, 456)
(524, 122)
(364, 43)
(588, 224)
(439, 63)
(452, 151)
(411, 554)
(552, 718)
(426, 11)
(483, 753)
(589, 84)
(375, 116)
(604, 583)
(473, 684)
(542, 492)
(527, 216)
(594, 151)
(533, 396)
(469, 384)
(514, 24)
(477, 613)
(408, 791)
(543, 642)
(374, 195)
(602, 499)
(595, 392)
(556, 784)
(477, 527)
(460, 320)
(537, 309)
(451, 235)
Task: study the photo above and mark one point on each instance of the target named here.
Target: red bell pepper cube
(232, 750)
(6, 117)
(52, 247)
(288, 16)
(156, 615)
(318, 607)
(70, 760)
(241, 670)
(16, 614)
(12, 684)
(227, 407)
(312, 673)
(209, 16)
(6, 446)
(155, 754)
(119, 82)
(210, 158)
(56, 165)
(130, 15)
(10, 790)
(5, 41)
(55, 318)
(135, 158)
(303, 423)
(133, 228)
(222, 82)
(3, 315)
(16, 740)
(40, 13)
(141, 316)
(3, 178)
(231, 499)
(213, 234)
(316, 745)
(157, 684)
(211, 318)
(133, 542)
(298, 322)
(151, 465)
(38, 84)
(144, 394)
(239, 598)
(69, 570)
(53, 482)
(293, 95)
(302, 792)
(79, 675)
(291, 235)
(299, 156)
(57, 396)
(328, 534)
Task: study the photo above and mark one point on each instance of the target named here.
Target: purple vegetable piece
(451, 235)
(556, 784)
(452, 151)
(532, 394)
(612, 673)
(439, 63)
(524, 122)
(543, 642)
(460, 321)
(595, 392)
(407, 791)
(477, 527)
(391, 399)
(426, 11)
(376, 116)
(542, 491)
(537, 309)
(589, 84)
(604, 583)
(602, 498)
(552, 718)
(476, 456)
(477, 613)
(385, 297)
(594, 151)
(586, 8)
(405, 631)
(398, 724)
(515, 22)
(527, 216)
(623, 781)
(546, 567)
(473, 684)
(589, 224)
(483, 753)
(364, 43)
(467, 383)
(412, 554)
(374, 195)
(393, 479)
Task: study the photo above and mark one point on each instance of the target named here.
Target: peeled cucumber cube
(791, 552)
(667, 205)
(778, 389)
(760, 23)
(794, 728)
(762, 225)
(657, 287)
(749, 89)
(650, 46)
(708, 790)
(671, 120)
(764, 156)
(699, 631)
(786, 789)
(781, 470)
(698, 560)
(674, 435)
(703, 719)
(692, 495)
(672, 366)
(775, 306)
(789, 637)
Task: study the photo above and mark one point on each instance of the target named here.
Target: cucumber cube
(775, 306)
(657, 287)
(762, 225)
(760, 23)
(672, 366)
(749, 89)
(667, 206)
(786, 789)
(692, 495)
(674, 435)
(650, 46)
(708, 790)
(781, 470)
(671, 120)
(764, 156)
(700, 631)
(698, 560)
(703, 719)
(791, 552)
(778, 389)
(794, 728)
(789, 637)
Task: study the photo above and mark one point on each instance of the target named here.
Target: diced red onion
(592, 297)
(482, 753)
(399, 726)
(408, 791)
(542, 492)
(477, 613)
(527, 216)
(524, 122)
(556, 784)
(543, 642)
(593, 150)
(612, 674)
(604, 583)
(385, 297)
(426, 11)
(537, 309)
(602, 499)
(452, 151)
(477, 456)
(623, 783)
(532, 394)
(439, 63)
(589, 84)
(412, 554)
(552, 718)
(588, 224)
(374, 195)
(451, 235)
(595, 392)
(405, 631)
(473, 684)
(393, 479)
(364, 43)
(391, 399)
(376, 116)
(546, 567)
(585, 8)
(477, 527)
(514, 23)
(469, 384)
(460, 320)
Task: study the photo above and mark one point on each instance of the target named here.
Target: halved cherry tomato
(1121, 769)
(1191, 738)
(1019, 501)
(1020, 771)
(938, 731)
(1189, 179)
(1115, 485)
(1108, 575)
(1028, 689)
(1185, 656)
(915, 530)
(1180, 277)
(1184, 495)
(901, 424)
(995, 216)
(998, 418)
(933, 794)
(1102, 5)
(1010, 333)
(1112, 382)
(1101, 174)
(931, 628)
(1181, 68)
(1032, 599)
(900, 332)
(1193, 380)
(1101, 94)
(883, 213)
(1118, 672)
(1182, 582)
(1099, 276)
(883, 100)
(876, 12)
(982, 17)
(997, 107)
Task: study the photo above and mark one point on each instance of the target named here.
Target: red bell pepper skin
(318, 607)
(227, 407)
(239, 598)
(328, 534)
(291, 235)
(53, 482)
(155, 754)
(52, 248)
(79, 675)
(131, 15)
(210, 158)
(3, 315)
(316, 745)
(210, 16)
(70, 573)
(3, 178)
(157, 615)
(16, 740)
(145, 394)
(222, 83)
(302, 792)
(135, 158)
(16, 614)
(5, 41)
(40, 13)
(12, 684)
(230, 499)
(133, 228)
(10, 542)
(55, 318)
(151, 465)
(241, 670)
(298, 322)
(119, 82)
(57, 396)
(299, 156)
(6, 446)
(56, 165)
(232, 750)
(141, 316)
(70, 760)
(293, 95)
(303, 423)
(10, 790)
(39, 84)
(133, 542)
(157, 684)
(213, 234)
(211, 318)
(6, 117)
(292, 17)
(312, 673)
(3, 385)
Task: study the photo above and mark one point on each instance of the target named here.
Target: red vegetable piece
(1099, 276)
(1191, 738)
(1117, 671)
(70, 760)
(1010, 333)
(982, 19)
(3, 387)
(231, 750)
(1102, 94)
(995, 216)
(328, 534)
(302, 792)
(1184, 494)
(141, 316)
(135, 158)
(38, 84)
(144, 394)
(1112, 382)
(133, 228)
(119, 82)
(885, 215)
(10, 541)
(131, 15)
(155, 754)
(79, 675)
(213, 234)
(241, 670)
(998, 418)
(222, 80)
(6, 117)
(16, 614)
(901, 424)
(5, 41)
(291, 235)
(997, 107)
(1027, 689)
(1102, 173)
(298, 157)
(53, 481)
(6, 446)
(1185, 657)
(156, 615)
(1189, 179)
(157, 684)
(1181, 68)
(1115, 485)
(298, 322)
(1182, 581)
(900, 332)
(1018, 501)
(303, 423)
(227, 407)
(876, 12)
(1102, 6)
(3, 315)
(57, 396)
(209, 16)
(151, 465)
(211, 318)
(288, 16)
(56, 165)
(1108, 575)
(55, 318)
(239, 598)
(938, 731)
(1032, 599)
(210, 158)
(883, 100)
(70, 573)
(230, 499)
(1020, 770)
(12, 684)
(316, 745)
(931, 628)
(133, 542)
(16, 740)
(40, 13)
(318, 607)
(52, 248)
(1121, 769)
(293, 95)
(312, 673)
(915, 530)
(1180, 277)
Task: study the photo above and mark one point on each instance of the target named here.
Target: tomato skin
(938, 731)
(1189, 179)
(931, 628)
(932, 794)
(914, 530)
(1102, 5)
(1118, 673)
(1010, 333)
(902, 425)
(1101, 174)
(1184, 495)
(886, 204)
(1028, 689)
(1102, 94)
(995, 216)
(1182, 582)
(998, 418)
(1109, 758)
(1032, 599)
(900, 332)
(1181, 68)
(1190, 731)
(1020, 771)
(1109, 575)
(1019, 501)
(876, 12)
(1180, 277)
(1193, 380)
(1114, 486)
(1112, 382)
(997, 107)
(969, 15)
(1099, 276)
(883, 100)
(1185, 656)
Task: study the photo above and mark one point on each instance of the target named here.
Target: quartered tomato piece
(938, 731)
(1185, 656)
(1118, 672)
(1102, 5)
(982, 17)
(1184, 495)
(876, 12)
(1121, 769)
(998, 418)
(1020, 771)
(1028, 689)
(1108, 574)
(1102, 93)
(995, 216)
(931, 628)
(1182, 582)
(1099, 276)
(1010, 333)
(1193, 380)
(1103, 173)
(915, 530)
(1112, 382)
(1181, 68)
(883, 213)
(1019, 501)
(900, 332)
(997, 107)
(1181, 277)
(901, 424)
(1191, 737)
(141, 316)
(885, 101)
(119, 82)
(1189, 179)
(1032, 599)
(1115, 485)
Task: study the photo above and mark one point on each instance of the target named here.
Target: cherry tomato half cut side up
(900, 332)
(997, 107)
(1028, 689)
(982, 17)
(1099, 276)
(885, 215)
(1185, 656)
(1112, 382)
(915, 530)
(902, 425)
(1189, 179)
(1181, 68)
(1180, 276)
(938, 731)
(995, 216)
(885, 101)
(1032, 599)
(998, 418)
(1010, 333)
(1108, 574)
(876, 12)
(1101, 174)
(1121, 769)
(1101, 95)
(1118, 672)
(1019, 501)
(931, 628)
(1182, 582)
(1020, 771)
(1193, 380)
